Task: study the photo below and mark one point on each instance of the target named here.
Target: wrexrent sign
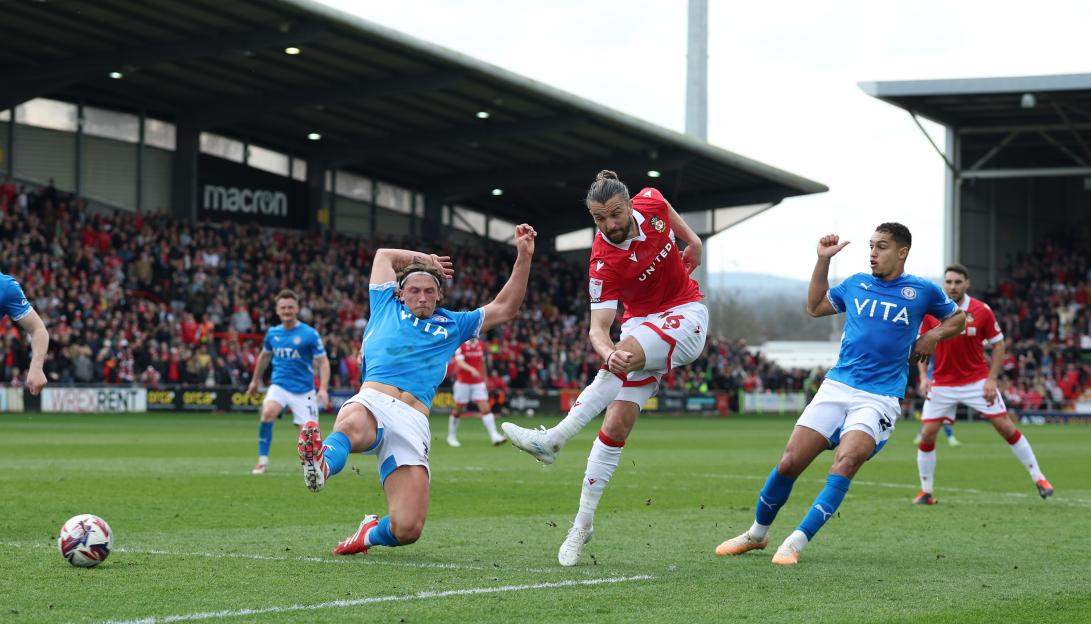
(94, 400)
(253, 201)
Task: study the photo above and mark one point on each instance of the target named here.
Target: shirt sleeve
(319, 348)
(602, 286)
(991, 327)
(381, 296)
(469, 323)
(266, 344)
(15, 301)
(941, 307)
(836, 296)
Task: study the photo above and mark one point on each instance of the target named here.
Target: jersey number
(673, 321)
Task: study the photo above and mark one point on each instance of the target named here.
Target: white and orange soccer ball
(85, 540)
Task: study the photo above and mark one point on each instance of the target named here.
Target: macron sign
(235, 192)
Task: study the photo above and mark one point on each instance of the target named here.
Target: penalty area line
(337, 604)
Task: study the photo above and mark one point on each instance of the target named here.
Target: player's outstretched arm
(323, 396)
(817, 303)
(691, 257)
(926, 343)
(388, 262)
(259, 371)
(39, 345)
(507, 302)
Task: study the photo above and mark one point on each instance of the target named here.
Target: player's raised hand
(524, 239)
(444, 264)
(828, 246)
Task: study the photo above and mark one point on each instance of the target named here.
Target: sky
(782, 90)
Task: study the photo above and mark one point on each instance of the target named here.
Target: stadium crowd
(133, 298)
(148, 299)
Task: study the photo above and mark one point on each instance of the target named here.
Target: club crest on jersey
(909, 293)
(595, 288)
(439, 318)
(658, 224)
(297, 340)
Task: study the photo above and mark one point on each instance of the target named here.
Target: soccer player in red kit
(960, 374)
(636, 261)
(469, 368)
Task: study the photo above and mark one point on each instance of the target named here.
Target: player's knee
(790, 465)
(847, 464)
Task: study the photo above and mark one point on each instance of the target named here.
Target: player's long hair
(605, 186)
(420, 265)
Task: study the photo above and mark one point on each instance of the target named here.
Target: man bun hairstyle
(958, 268)
(898, 232)
(605, 186)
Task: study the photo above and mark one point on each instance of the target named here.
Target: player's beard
(616, 236)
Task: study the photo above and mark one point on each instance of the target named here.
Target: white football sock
(1025, 454)
(926, 465)
(591, 402)
(452, 427)
(263, 459)
(797, 540)
(601, 464)
(758, 532)
(490, 425)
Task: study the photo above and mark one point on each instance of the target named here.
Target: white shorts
(669, 339)
(837, 409)
(943, 400)
(304, 406)
(466, 392)
(402, 438)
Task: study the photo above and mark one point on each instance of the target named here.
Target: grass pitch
(199, 538)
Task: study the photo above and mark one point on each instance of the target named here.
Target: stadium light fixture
(314, 136)
(653, 173)
(292, 51)
(483, 114)
(497, 192)
(116, 75)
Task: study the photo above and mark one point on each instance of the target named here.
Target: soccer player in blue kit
(293, 347)
(855, 408)
(407, 344)
(13, 303)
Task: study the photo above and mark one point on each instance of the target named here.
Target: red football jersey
(960, 361)
(644, 273)
(473, 353)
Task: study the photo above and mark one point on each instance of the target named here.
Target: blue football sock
(265, 438)
(772, 497)
(829, 499)
(948, 431)
(337, 448)
(381, 535)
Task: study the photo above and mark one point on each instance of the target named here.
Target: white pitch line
(1078, 502)
(333, 604)
(340, 561)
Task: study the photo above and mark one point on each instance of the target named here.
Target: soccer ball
(85, 540)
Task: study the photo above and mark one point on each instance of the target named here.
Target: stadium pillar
(316, 192)
(433, 229)
(183, 192)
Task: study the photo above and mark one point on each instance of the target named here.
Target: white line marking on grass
(1077, 502)
(338, 561)
(334, 604)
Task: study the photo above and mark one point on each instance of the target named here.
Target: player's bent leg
(1020, 447)
(354, 431)
(856, 447)
(407, 501)
(589, 404)
(269, 411)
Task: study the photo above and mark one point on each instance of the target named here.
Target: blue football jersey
(12, 300)
(293, 352)
(410, 353)
(881, 325)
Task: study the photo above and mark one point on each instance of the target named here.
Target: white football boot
(533, 441)
(572, 547)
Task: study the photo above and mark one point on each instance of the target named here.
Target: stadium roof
(385, 104)
(1020, 125)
